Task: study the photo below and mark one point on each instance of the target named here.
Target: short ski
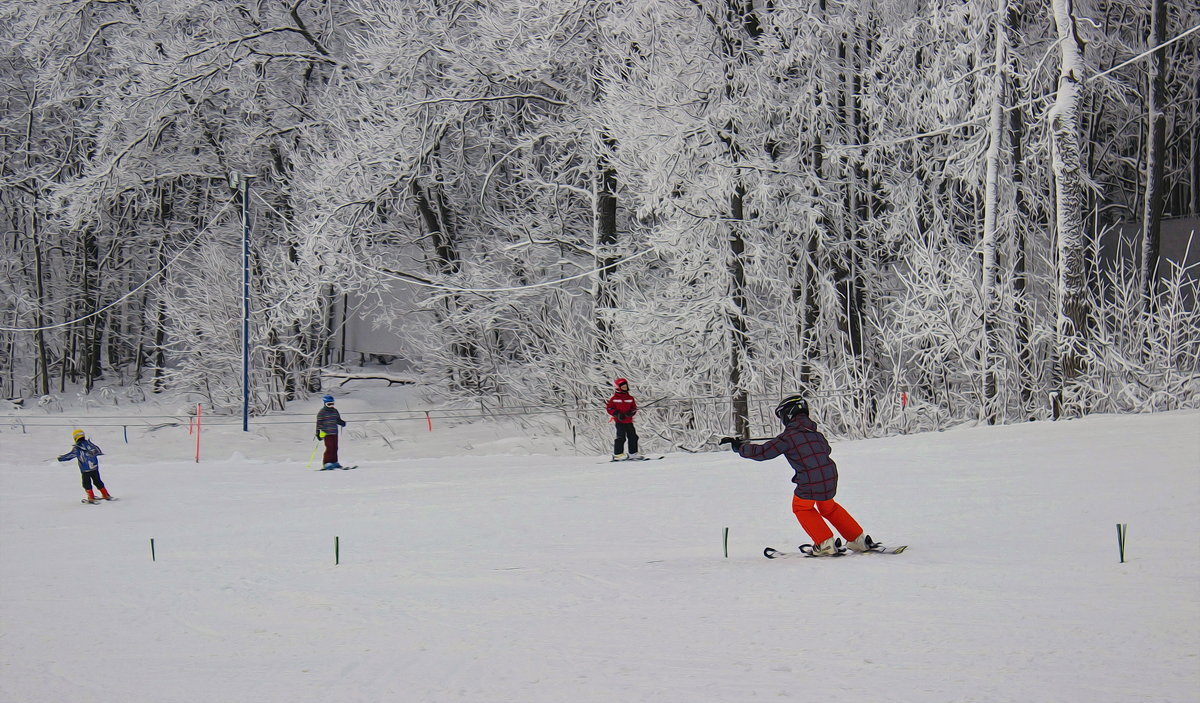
(339, 468)
(877, 548)
(97, 501)
(643, 458)
(772, 553)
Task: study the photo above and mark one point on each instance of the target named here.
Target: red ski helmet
(620, 382)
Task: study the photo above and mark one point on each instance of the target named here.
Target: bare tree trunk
(1071, 326)
(606, 240)
(42, 368)
(90, 328)
(1156, 120)
(804, 295)
(989, 274)
(160, 328)
(1194, 205)
(1016, 128)
(804, 286)
(446, 258)
(742, 29)
(848, 273)
(739, 337)
(39, 320)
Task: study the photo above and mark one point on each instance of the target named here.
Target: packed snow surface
(555, 577)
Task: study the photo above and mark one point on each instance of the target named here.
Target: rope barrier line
(389, 415)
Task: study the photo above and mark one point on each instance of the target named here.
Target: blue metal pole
(246, 303)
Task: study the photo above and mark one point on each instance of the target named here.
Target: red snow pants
(812, 515)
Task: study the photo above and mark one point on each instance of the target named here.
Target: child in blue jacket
(85, 452)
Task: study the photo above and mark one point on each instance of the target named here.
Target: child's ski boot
(861, 544)
(831, 547)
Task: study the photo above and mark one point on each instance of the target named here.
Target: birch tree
(989, 275)
(1071, 324)
(1156, 124)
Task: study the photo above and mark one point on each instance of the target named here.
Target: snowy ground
(563, 578)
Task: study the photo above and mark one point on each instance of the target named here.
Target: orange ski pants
(812, 515)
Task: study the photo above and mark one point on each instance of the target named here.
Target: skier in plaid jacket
(816, 478)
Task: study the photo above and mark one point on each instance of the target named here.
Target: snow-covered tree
(1069, 180)
(724, 200)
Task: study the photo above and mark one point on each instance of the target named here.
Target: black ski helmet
(790, 407)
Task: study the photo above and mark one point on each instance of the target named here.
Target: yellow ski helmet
(77, 435)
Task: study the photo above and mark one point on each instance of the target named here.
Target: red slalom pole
(197, 433)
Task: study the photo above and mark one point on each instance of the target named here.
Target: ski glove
(736, 444)
(321, 434)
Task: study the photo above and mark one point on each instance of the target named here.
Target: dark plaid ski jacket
(807, 451)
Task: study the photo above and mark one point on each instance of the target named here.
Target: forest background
(917, 213)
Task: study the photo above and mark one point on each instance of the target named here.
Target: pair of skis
(806, 551)
(97, 501)
(338, 468)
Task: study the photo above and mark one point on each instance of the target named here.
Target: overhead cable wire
(1146, 53)
(426, 283)
(130, 294)
(1026, 103)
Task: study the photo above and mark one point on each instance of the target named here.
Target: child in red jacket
(622, 407)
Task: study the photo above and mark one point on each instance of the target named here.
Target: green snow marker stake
(337, 556)
(1121, 529)
(726, 542)
(152, 550)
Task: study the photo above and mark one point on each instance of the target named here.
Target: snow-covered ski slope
(554, 578)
